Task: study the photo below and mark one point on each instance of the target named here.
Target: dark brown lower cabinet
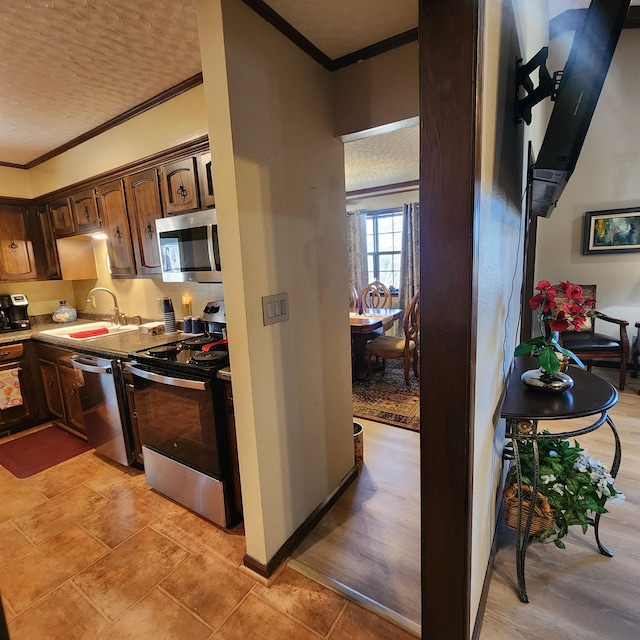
(52, 389)
(63, 387)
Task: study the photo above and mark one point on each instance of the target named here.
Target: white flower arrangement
(575, 484)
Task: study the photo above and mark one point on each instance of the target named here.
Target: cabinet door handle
(149, 230)
(63, 219)
(4, 353)
(182, 192)
(13, 246)
(118, 235)
(86, 213)
(73, 390)
(50, 382)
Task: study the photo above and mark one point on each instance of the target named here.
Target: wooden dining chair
(407, 347)
(354, 298)
(376, 296)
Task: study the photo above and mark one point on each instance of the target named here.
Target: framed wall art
(612, 231)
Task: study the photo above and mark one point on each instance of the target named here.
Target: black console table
(523, 407)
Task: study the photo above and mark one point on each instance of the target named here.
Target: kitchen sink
(89, 330)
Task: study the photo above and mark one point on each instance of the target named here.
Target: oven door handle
(200, 385)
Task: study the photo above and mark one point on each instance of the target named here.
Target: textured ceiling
(384, 159)
(69, 66)
(338, 27)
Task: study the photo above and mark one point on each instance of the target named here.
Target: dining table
(366, 326)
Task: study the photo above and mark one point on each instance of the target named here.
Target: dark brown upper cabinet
(179, 185)
(44, 243)
(113, 211)
(205, 180)
(17, 262)
(145, 207)
(85, 212)
(62, 218)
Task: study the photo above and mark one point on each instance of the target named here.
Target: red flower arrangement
(568, 309)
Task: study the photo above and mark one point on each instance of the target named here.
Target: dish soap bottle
(64, 313)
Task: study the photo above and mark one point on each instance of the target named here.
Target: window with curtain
(384, 246)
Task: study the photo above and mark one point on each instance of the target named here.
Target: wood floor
(576, 593)
(368, 546)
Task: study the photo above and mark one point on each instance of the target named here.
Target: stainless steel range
(182, 427)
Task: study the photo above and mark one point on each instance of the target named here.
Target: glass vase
(64, 313)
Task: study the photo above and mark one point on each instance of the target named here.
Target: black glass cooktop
(188, 355)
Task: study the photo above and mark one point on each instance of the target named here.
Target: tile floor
(87, 551)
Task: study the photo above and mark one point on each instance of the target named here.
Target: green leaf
(557, 468)
(524, 349)
(549, 361)
(559, 544)
(546, 534)
(591, 504)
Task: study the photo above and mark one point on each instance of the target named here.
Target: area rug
(33, 453)
(386, 398)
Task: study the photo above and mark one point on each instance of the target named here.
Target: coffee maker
(17, 312)
(5, 313)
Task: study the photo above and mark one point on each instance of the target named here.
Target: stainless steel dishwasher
(102, 406)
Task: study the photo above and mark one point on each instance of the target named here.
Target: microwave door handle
(199, 385)
(216, 247)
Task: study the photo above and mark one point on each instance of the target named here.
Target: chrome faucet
(118, 317)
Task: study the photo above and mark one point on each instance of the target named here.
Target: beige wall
(15, 183)
(606, 177)
(500, 229)
(178, 120)
(279, 174)
(43, 297)
(377, 91)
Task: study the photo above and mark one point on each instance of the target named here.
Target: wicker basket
(542, 512)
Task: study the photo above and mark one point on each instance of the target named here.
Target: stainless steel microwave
(189, 249)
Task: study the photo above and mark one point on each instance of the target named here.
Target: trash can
(358, 445)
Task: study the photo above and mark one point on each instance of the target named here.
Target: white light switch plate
(275, 308)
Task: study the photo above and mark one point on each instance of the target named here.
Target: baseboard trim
(266, 570)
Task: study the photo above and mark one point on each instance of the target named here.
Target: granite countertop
(120, 346)
(113, 345)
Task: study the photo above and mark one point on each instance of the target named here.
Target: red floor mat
(38, 451)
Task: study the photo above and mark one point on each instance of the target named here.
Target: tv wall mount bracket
(547, 85)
